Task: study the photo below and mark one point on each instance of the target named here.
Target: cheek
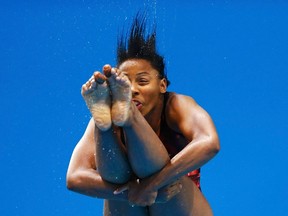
(146, 90)
(150, 92)
(150, 95)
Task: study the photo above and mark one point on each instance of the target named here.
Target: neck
(154, 117)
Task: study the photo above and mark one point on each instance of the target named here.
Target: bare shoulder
(178, 105)
(185, 116)
(175, 100)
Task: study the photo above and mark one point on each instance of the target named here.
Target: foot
(97, 97)
(120, 87)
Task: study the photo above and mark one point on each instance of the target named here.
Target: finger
(175, 189)
(121, 189)
(176, 184)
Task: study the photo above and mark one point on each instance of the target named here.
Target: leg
(189, 202)
(146, 153)
(113, 166)
(111, 159)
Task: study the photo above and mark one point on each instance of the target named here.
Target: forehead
(137, 67)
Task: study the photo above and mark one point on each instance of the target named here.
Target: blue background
(231, 56)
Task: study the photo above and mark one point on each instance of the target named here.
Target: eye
(143, 81)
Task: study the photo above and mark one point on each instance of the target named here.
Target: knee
(117, 178)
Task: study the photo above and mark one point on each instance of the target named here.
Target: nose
(134, 88)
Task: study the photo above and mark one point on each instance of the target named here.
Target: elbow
(71, 181)
(214, 145)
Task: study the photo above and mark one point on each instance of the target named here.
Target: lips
(137, 103)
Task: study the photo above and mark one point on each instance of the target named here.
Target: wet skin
(141, 124)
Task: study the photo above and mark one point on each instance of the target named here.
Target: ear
(163, 85)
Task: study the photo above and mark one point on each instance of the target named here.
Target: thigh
(189, 202)
(121, 208)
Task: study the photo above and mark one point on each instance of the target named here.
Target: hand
(168, 192)
(139, 193)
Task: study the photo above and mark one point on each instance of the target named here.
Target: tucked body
(138, 154)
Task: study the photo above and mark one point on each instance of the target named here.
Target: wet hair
(136, 44)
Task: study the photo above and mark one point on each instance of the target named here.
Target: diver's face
(146, 86)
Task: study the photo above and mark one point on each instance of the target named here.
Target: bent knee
(117, 178)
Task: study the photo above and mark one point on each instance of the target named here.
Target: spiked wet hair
(137, 45)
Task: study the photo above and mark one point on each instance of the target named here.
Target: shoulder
(185, 116)
(175, 100)
(179, 105)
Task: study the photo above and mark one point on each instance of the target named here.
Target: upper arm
(190, 119)
(83, 156)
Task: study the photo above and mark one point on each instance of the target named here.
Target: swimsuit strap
(163, 117)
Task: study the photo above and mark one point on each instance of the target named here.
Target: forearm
(192, 157)
(90, 183)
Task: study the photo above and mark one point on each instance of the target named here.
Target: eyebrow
(139, 73)
(143, 73)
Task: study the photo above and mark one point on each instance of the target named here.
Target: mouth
(138, 104)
